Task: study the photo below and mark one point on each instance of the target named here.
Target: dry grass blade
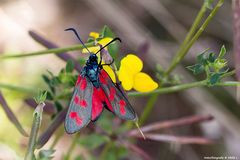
(11, 115)
(48, 44)
(177, 139)
(173, 123)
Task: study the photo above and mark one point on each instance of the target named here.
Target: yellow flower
(103, 42)
(131, 76)
(95, 35)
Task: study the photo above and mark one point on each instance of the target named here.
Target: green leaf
(222, 52)
(48, 81)
(214, 78)
(58, 105)
(82, 61)
(122, 152)
(113, 49)
(46, 154)
(41, 96)
(196, 68)
(202, 58)
(219, 64)
(211, 57)
(106, 32)
(93, 140)
(69, 66)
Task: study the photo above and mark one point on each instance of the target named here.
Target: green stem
(37, 118)
(105, 150)
(229, 83)
(184, 50)
(228, 74)
(72, 146)
(148, 109)
(58, 136)
(193, 28)
(165, 90)
(49, 51)
(170, 89)
(17, 88)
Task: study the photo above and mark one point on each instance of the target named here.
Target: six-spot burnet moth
(94, 91)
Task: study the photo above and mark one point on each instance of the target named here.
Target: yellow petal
(93, 49)
(104, 41)
(144, 83)
(125, 78)
(110, 72)
(95, 35)
(132, 63)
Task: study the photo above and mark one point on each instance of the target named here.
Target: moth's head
(93, 58)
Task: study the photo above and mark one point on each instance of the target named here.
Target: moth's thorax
(91, 70)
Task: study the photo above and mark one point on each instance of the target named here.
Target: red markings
(83, 103)
(83, 84)
(112, 93)
(76, 99)
(102, 80)
(104, 74)
(97, 102)
(74, 115)
(78, 80)
(122, 104)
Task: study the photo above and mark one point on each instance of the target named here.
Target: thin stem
(56, 139)
(37, 118)
(193, 28)
(165, 90)
(17, 88)
(48, 51)
(148, 109)
(229, 73)
(72, 146)
(184, 50)
(105, 150)
(170, 89)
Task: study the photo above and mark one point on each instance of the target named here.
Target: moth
(94, 90)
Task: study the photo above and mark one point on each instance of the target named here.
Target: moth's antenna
(115, 39)
(75, 32)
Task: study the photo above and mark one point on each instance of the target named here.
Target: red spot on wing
(83, 103)
(78, 119)
(78, 80)
(76, 99)
(73, 114)
(122, 104)
(112, 93)
(103, 80)
(83, 84)
(97, 102)
(104, 74)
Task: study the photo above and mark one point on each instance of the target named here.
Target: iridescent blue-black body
(91, 70)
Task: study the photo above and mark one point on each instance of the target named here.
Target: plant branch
(177, 139)
(72, 146)
(49, 51)
(170, 89)
(148, 109)
(11, 116)
(173, 123)
(184, 50)
(37, 118)
(18, 88)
